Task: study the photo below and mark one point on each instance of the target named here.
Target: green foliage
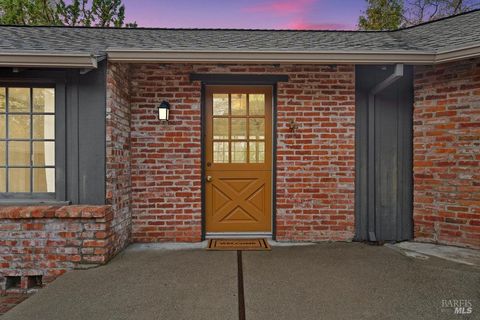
(98, 13)
(32, 12)
(393, 14)
(418, 11)
(74, 13)
(381, 15)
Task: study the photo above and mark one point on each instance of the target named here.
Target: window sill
(32, 202)
(44, 211)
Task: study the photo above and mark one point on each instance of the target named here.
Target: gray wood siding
(83, 99)
(91, 129)
(392, 163)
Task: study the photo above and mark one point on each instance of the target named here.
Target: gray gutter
(47, 59)
(56, 59)
(421, 57)
(397, 74)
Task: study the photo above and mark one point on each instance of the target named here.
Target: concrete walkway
(456, 254)
(324, 281)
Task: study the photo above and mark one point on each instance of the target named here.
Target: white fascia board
(88, 61)
(32, 59)
(298, 57)
(145, 55)
(457, 54)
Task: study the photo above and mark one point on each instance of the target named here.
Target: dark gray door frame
(240, 79)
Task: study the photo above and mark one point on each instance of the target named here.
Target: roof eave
(457, 54)
(47, 60)
(299, 57)
(145, 56)
(89, 61)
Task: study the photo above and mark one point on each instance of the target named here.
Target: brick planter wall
(315, 164)
(48, 241)
(447, 153)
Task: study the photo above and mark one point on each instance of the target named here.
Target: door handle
(209, 178)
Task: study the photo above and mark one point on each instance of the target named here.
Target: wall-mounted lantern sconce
(164, 111)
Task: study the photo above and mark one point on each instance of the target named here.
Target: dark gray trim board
(238, 79)
(274, 162)
(60, 141)
(202, 162)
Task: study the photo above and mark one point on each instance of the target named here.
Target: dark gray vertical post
(72, 136)
(60, 141)
(397, 73)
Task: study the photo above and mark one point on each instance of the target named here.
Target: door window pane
(43, 100)
(239, 120)
(220, 128)
(19, 180)
(19, 153)
(257, 151)
(3, 154)
(257, 128)
(239, 104)
(18, 126)
(43, 180)
(220, 152)
(239, 152)
(19, 100)
(220, 104)
(3, 101)
(239, 129)
(256, 104)
(3, 180)
(3, 126)
(44, 127)
(43, 153)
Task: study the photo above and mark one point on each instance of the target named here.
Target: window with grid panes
(27, 139)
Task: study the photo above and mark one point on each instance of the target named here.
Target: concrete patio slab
(456, 254)
(145, 284)
(353, 281)
(320, 281)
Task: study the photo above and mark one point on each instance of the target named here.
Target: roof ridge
(242, 29)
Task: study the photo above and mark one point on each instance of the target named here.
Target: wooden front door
(238, 159)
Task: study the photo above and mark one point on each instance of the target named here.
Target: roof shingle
(454, 32)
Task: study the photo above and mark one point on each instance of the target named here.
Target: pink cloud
(303, 25)
(294, 14)
(281, 7)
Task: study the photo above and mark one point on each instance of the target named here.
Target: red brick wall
(166, 197)
(49, 241)
(447, 153)
(315, 164)
(118, 175)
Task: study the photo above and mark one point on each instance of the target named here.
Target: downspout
(397, 74)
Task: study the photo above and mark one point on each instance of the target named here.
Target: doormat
(239, 244)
